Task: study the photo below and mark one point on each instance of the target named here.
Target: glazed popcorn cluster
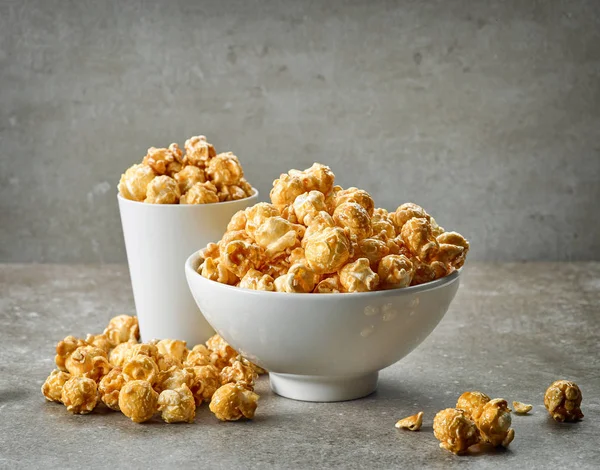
(200, 176)
(317, 237)
(478, 419)
(143, 379)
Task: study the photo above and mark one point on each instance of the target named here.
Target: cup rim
(255, 194)
(432, 285)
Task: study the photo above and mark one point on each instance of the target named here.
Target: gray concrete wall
(486, 113)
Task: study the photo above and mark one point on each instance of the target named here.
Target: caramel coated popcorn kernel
(563, 400)
(232, 402)
(138, 401)
(141, 367)
(110, 386)
(472, 403)
(412, 423)
(121, 329)
(53, 386)
(239, 371)
(455, 430)
(494, 423)
(177, 406)
(163, 190)
(79, 395)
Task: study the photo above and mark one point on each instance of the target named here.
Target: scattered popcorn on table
(144, 379)
(472, 403)
(521, 408)
(455, 430)
(233, 401)
(315, 237)
(412, 423)
(494, 423)
(563, 400)
(167, 176)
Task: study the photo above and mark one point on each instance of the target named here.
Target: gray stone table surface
(511, 331)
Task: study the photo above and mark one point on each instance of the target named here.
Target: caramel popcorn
(232, 402)
(472, 403)
(53, 386)
(146, 349)
(166, 176)
(100, 341)
(163, 190)
(521, 408)
(121, 329)
(221, 353)
(201, 193)
(188, 177)
(110, 386)
(310, 223)
(198, 356)
(173, 347)
(205, 380)
(141, 367)
(455, 430)
(79, 395)
(494, 423)
(198, 151)
(173, 378)
(563, 401)
(412, 423)
(88, 361)
(134, 182)
(395, 271)
(256, 280)
(177, 405)
(138, 401)
(166, 361)
(65, 348)
(358, 276)
(121, 353)
(239, 371)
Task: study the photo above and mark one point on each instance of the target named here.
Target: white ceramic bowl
(158, 239)
(322, 347)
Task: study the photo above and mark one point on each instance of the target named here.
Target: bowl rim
(432, 285)
(255, 194)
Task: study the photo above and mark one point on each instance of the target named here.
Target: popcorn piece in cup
(198, 151)
(79, 395)
(225, 169)
(455, 430)
(110, 386)
(138, 401)
(159, 159)
(177, 406)
(232, 402)
(358, 276)
(188, 176)
(163, 190)
(134, 182)
(200, 193)
(53, 386)
(231, 192)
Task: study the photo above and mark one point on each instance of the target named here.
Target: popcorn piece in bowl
(355, 195)
(306, 206)
(53, 386)
(225, 169)
(161, 160)
(214, 270)
(138, 401)
(354, 217)
(299, 279)
(80, 395)
(395, 271)
(188, 176)
(233, 401)
(455, 430)
(329, 285)
(563, 401)
(327, 251)
(418, 238)
(256, 280)
(358, 276)
(239, 257)
(177, 406)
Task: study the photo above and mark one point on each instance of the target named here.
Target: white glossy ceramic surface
(158, 240)
(322, 347)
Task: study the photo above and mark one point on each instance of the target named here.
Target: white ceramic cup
(158, 240)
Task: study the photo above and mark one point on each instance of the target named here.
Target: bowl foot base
(321, 388)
